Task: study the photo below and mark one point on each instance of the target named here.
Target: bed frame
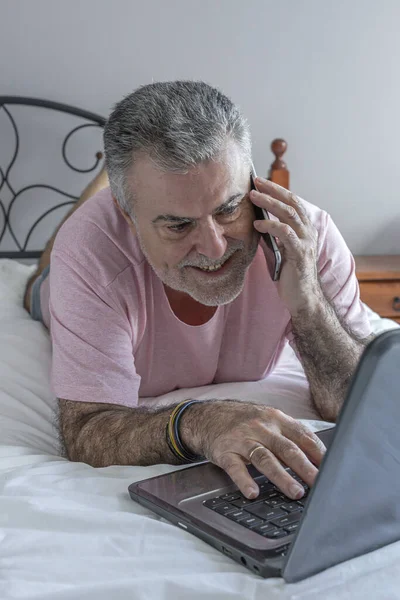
(278, 171)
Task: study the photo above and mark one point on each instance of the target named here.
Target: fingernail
(261, 179)
(296, 491)
(257, 223)
(251, 492)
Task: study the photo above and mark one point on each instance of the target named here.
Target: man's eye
(229, 210)
(226, 212)
(178, 228)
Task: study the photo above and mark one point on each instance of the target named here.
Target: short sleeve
(336, 268)
(91, 337)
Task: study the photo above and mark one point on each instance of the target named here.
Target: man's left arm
(329, 353)
(328, 348)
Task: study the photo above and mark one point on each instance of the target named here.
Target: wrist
(311, 306)
(192, 427)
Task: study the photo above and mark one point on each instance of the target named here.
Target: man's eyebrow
(176, 219)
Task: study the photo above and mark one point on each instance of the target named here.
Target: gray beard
(218, 291)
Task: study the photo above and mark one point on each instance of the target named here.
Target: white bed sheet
(69, 531)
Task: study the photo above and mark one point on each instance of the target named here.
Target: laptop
(352, 508)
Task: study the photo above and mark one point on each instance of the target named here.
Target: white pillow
(27, 407)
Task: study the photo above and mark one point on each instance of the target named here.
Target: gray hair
(178, 124)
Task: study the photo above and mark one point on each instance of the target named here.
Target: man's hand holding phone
(296, 238)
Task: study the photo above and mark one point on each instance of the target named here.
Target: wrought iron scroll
(94, 121)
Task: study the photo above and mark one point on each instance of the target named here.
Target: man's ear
(127, 217)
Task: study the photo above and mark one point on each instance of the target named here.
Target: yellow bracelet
(171, 428)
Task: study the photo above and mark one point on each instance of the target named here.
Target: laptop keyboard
(272, 514)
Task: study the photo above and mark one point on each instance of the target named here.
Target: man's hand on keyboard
(232, 434)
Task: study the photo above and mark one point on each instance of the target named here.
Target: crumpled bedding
(69, 531)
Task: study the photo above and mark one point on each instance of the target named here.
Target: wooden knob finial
(278, 147)
(278, 172)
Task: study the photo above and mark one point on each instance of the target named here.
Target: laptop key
(224, 509)
(263, 495)
(268, 494)
(266, 486)
(275, 533)
(213, 502)
(292, 527)
(241, 502)
(265, 512)
(288, 519)
(237, 515)
(276, 501)
(264, 483)
(231, 496)
(264, 528)
(251, 522)
(291, 506)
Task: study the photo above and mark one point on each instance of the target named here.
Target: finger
(266, 462)
(292, 456)
(301, 435)
(235, 466)
(286, 213)
(282, 194)
(287, 236)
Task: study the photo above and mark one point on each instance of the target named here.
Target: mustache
(202, 263)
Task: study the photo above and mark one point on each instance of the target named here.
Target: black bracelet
(170, 446)
(189, 456)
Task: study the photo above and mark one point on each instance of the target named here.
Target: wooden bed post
(278, 172)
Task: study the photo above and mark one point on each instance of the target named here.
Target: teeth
(215, 268)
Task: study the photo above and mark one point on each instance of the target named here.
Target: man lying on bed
(159, 282)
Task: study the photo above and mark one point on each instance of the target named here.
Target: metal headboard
(5, 103)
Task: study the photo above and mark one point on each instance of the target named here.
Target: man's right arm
(110, 434)
(224, 431)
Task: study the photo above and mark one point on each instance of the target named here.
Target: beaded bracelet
(174, 441)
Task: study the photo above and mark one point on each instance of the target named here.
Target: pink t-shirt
(115, 338)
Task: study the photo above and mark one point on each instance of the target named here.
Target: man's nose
(210, 240)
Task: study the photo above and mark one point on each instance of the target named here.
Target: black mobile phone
(274, 258)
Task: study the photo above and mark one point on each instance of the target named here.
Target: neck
(187, 309)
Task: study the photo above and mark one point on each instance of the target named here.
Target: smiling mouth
(210, 269)
(214, 268)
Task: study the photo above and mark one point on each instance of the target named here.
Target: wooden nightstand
(379, 279)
